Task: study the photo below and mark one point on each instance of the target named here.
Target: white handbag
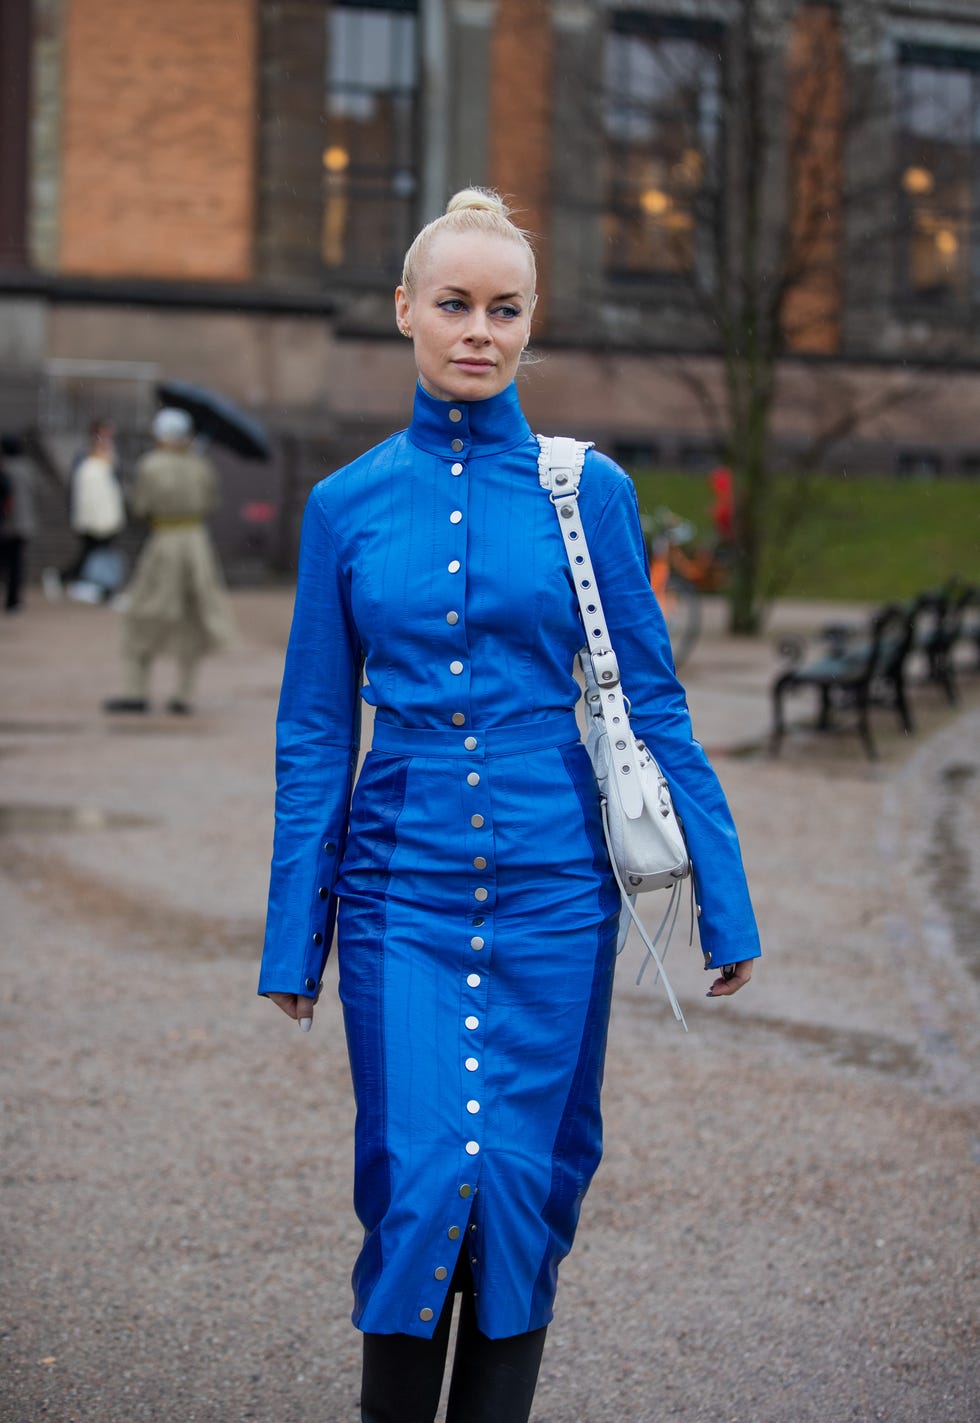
(644, 837)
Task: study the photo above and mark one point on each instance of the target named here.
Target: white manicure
(306, 1024)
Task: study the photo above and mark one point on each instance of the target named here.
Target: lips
(473, 365)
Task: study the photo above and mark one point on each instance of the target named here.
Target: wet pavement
(783, 1228)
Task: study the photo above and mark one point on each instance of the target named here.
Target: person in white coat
(97, 510)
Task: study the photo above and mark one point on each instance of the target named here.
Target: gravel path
(783, 1228)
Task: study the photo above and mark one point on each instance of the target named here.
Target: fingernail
(709, 994)
(305, 1024)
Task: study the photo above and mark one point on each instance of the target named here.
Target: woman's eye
(507, 312)
(451, 304)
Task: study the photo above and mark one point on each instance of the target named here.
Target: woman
(476, 911)
(177, 601)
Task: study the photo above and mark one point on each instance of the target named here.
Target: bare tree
(774, 286)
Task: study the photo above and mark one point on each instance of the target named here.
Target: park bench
(940, 619)
(970, 626)
(858, 668)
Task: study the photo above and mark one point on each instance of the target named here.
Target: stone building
(223, 192)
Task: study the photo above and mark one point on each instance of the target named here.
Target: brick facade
(158, 139)
(521, 137)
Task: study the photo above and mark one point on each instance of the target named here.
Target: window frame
(708, 205)
(366, 184)
(940, 305)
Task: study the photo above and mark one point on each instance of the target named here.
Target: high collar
(453, 427)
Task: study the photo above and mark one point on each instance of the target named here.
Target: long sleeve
(316, 754)
(659, 716)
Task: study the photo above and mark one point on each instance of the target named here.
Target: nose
(478, 327)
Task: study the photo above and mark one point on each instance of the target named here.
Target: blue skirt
(476, 943)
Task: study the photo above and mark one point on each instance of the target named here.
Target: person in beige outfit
(177, 598)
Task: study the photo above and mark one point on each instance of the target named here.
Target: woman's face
(469, 314)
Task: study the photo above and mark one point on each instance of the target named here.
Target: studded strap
(560, 466)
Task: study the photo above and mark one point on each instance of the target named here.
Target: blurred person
(177, 602)
(466, 871)
(18, 519)
(96, 512)
(723, 504)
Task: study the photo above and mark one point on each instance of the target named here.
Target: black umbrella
(217, 418)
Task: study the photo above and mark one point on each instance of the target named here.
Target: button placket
(458, 664)
(477, 842)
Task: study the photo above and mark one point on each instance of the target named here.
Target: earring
(405, 332)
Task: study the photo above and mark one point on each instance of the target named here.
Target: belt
(475, 743)
(176, 524)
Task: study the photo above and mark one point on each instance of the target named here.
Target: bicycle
(680, 572)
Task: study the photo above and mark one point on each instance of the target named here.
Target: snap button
(481, 894)
(459, 719)
(323, 891)
(425, 1315)
(453, 1232)
(455, 668)
(476, 821)
(318, 937)
(472, 1148)
(471, 1064)
(456, 469)
(471, 744)
(311, 985)
(456, 446)
(473, 1107)
(456, 517)
(465, 1191)
(476, 942)
(441, 1272)
(473, 980)
(329, 848)
(471, 1022)
(455, 416)
(473, 779)
(480, 862)
(455, 566)
(452, 619)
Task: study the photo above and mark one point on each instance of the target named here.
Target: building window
(370, 153)
(939, 173)
(662, 130)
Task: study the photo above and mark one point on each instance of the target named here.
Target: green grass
(864, 539)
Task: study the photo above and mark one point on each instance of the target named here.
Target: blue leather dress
(476, 913)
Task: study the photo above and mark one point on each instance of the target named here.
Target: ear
(403, 308)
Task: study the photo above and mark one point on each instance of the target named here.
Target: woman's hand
(297, 1007)
(732, 977)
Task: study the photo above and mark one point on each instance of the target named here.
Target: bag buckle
(606, 667)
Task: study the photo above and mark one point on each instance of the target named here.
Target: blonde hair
(471, 210)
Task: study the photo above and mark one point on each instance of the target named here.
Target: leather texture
(476, 911)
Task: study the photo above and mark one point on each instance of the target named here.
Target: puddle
(742, 750)
(39, 728)
(846, 1047)
(129, 918)
(45, 818)
(955, 774)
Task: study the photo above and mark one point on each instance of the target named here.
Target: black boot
(493, 1379)
(402, 1376)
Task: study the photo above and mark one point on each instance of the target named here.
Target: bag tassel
(651, 944)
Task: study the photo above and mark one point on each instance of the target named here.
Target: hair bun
(480, 200)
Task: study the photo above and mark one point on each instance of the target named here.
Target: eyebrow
(501, 296)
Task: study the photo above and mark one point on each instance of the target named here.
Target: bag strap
(560, 465)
